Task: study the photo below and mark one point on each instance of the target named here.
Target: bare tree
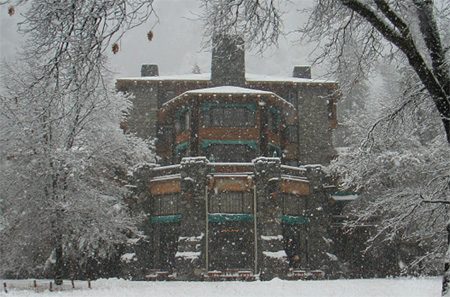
(259, 22)
(381, 28)
(389, 29)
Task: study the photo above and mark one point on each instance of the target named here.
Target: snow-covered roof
(202, 76)
(228, 90)
(267, 78)
(207, 76)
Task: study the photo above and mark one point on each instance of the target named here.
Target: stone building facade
(239, 191)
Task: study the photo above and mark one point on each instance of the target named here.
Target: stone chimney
(302, 72)
(149, 70)
(228, 61)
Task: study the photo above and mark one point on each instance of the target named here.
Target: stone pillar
(272, 259)
(149, 70)
(318, 212)
(313, 125)
(190, 257)
(142, 117)
(302, 72)
(228, 61)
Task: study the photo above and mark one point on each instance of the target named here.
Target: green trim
(225, 217)
(276, 148)
(277, 113)
(181, 111)
(294, 220)
(165, 219)
(274, 110)
(252, 144)
(208, 105)
(182, 146)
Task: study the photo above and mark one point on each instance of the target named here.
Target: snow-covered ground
(401, 287)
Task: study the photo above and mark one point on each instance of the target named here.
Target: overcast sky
(177, 43)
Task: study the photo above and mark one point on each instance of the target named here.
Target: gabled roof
(227, 90)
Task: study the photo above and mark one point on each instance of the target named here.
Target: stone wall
(272, 259)
(318, 238)
(143, 115)
(190, 257)
(228, 61)
(314, 132)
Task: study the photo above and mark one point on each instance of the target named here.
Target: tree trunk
(59, 254)
(430, 32)
(434, 77)
(59, 262)
(446, 278)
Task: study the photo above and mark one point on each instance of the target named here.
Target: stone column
(190, 257)
(142, 118)
(272, 259)
(318, 238)
(228, 61)
(313, 125)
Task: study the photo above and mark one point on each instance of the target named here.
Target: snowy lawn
(402, 287)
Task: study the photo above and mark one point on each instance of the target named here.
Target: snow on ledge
(295, 178)
(193, 77)
(275, 255)
(332, 257)
(191, 238)
(188, 255)
(271, 237)
(248, 76)
(312, 166)
(267, 78)
(345, 197)
(128, 257)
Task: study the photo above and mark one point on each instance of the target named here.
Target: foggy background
(177, 43)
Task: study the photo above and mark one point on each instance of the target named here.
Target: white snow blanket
(399, 287)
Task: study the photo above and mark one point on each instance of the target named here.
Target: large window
(230, 152)
(274, 120)
(165, 136)
(182, 150)
(292, 133)
(228, 115)
(231, 246)
(165, 205)
(183, 120)
(231, 202)
(293, 205)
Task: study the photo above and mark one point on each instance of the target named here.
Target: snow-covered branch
(63, 155)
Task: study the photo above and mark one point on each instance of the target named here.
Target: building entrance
(231, 245)
(168, 246)
(295, 245)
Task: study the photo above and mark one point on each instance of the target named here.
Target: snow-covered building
(239, 190)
